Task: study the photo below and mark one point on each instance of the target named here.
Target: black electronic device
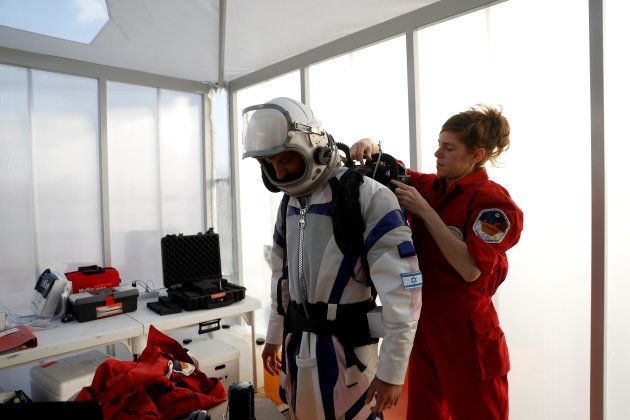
(52, 409)
(381, 167)
(164, 306)
(241, 401)
(191, 268)
(50, 294)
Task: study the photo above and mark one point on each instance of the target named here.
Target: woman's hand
(363, 148)
(271, 358)
(453, 247)
(410, 199)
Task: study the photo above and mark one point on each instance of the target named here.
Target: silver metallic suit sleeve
(401, 306)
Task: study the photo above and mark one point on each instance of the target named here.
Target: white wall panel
(134, 189)
(616, 94)
(155, 174)
(181, 160)
(17, 259)
(259, 206)
(364, 94)
(67, 169)
(515, 56)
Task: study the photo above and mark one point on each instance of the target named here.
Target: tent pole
(222, 8)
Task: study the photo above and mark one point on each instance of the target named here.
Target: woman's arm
(454, 249)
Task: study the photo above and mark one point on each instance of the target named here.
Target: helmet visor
(265, 131)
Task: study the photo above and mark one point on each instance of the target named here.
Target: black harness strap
(350, 326)
(285, 276)
(285, 269)
(348, 223)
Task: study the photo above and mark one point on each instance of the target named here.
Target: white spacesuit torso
(318, 380)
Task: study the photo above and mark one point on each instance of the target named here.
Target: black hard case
(87, 306)
(191, 269)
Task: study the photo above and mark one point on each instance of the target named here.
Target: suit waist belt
(350, 325)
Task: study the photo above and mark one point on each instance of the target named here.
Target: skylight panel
(73, 20)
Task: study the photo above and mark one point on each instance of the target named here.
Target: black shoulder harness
(348, 223)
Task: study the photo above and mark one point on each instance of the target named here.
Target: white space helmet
(284, 124)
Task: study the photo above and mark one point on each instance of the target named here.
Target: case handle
(209, 326)
(91, 269)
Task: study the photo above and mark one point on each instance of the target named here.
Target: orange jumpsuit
(459, 362)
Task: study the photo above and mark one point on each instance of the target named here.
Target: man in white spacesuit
(323, 312)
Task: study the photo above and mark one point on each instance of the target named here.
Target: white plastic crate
(216, 359)
(62, 379)
(240, 336)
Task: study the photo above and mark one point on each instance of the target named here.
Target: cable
(378, 161)
(12, 317)
(144, 284)
(33, 321)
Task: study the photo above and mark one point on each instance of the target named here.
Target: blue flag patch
(411, 280)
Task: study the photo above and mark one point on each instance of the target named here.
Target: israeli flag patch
(411, 280)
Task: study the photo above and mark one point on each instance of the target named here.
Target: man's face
(287, 165)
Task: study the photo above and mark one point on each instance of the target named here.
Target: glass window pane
(134, 189)
(155, 159)
(616, 93)
(67, 169)
(222, 181)
(78, 21)
(364, 94)
(181, 162)
(541, 79)
(17, 258)
(456, 89)
(259, 206)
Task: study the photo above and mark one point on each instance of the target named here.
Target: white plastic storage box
(61, 380)
(240, 336)
(216, 359)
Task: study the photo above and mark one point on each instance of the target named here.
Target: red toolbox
(93, 278)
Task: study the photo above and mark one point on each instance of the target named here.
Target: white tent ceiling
(181, 38)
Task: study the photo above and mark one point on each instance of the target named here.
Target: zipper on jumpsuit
(307, 381)
(304, 204)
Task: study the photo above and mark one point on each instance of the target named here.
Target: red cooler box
(93, 278)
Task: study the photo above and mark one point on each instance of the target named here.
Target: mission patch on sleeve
(491, 225)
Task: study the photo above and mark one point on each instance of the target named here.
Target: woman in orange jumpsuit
(462, 224)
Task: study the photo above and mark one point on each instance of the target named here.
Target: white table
(75, 336)
(165, 323)
(130, 329)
